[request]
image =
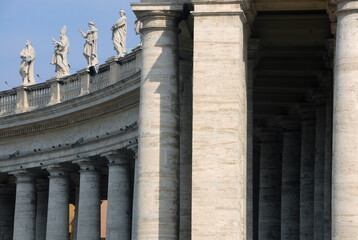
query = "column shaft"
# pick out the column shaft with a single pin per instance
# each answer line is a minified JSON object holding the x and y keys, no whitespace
{"x":58,"y":205}
{"x":290,"y":199}
{"x":88,"y":227}
{"x":345,"y":124}
{"x":270,"y":186}
{"x":219,"y":123}
{"x":156,"y":198}
{"x":319,"y":172}
{"x":7,"y":206}
{"x":41,"y":210}
{"x":307,"y":177}
{"x":25,"y":207}
{"x":119,"y":200}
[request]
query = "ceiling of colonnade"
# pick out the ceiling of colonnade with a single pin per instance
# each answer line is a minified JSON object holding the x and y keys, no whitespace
{"x":293,"y":45}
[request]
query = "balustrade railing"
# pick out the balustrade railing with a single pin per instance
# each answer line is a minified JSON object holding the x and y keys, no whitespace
{"x":38,"y":95}
{"x":8,"y":102}
{"x":26,"y":98}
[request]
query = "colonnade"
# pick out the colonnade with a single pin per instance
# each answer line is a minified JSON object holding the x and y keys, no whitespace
{"x":42,"y":206}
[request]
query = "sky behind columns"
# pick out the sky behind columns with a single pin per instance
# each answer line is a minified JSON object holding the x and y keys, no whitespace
{"x":41,"y":20}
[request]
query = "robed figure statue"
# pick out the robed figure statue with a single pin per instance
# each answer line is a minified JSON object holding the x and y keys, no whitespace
{"x":60,"y":55}
{"x":119,"y":34}
{"x":90,"y":47}
{"x":27,"y":65}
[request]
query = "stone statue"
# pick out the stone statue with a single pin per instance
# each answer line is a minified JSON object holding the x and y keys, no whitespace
{"x":60,"y":55}
{"x":27,"y":65}
{"x":119,"y":34}
{"x":137,"y":26}
{"x":90,"y":47}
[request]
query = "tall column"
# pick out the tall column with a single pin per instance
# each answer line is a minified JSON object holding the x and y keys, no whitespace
{"x":270,"y":184}
{"x":41,"y":209}
{"x":256,"y":188}
{"x":186,"y":128}
{"x":219,"y":122}
{"x":319,"y":168}
{"x":290,"y":198}
{"x":119,"y":200}
{"x":88,"y":227}
{"x":308,"y":130}
{"x":156,"y":187}
{"x":58,"y":204}
{"x":345,"y":124}
{"x":25,"y":206}
{"x":76,"y":181}
{"x":7,"y":206}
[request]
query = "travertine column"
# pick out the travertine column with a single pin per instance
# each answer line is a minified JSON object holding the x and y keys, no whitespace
{"x":345,"y":124}
{"x":186,"y":127}
{"x":270,"y":184}
{"x":219,"y":122}
{"x":25,"y":206}
{"x":41,"y":209}
{"x":319,"y":168}
{"x":58,"y":204}
{"x":308,"y":130}
{"x":76,"y":180}
{"x":119,"y":210}
{"x":88,"y":227}
{"x":290,"y":198}
{"x":256,"y":187}
{"x":7,"y":206}
{"x":156,"y":187}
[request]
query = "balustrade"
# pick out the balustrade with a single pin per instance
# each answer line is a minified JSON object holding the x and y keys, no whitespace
{"x":22,"y":99}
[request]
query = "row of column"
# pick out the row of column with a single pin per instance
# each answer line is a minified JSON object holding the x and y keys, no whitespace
{"x":44,"y":214}
{"x":294,"y":169}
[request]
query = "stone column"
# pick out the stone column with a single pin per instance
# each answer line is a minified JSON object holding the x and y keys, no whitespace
{"x":75,"y":178}
{"x":186,"y":128}
{"x":345,"y":124}
{"x":41,"y":210}
{"x":119,"y":200}
{"x":319,"y":168}
{"x":7,"y":206}
{"x":219,"y":122}
{"x":308,"y":130}
{"x":256,"y":187}
{"x":25,"y":206}
{"x":290,"y":198}
{"x":270,"y":184}
{"x":156,"y":187}
{"x":88,"y":227}
{"x":58,"y":204}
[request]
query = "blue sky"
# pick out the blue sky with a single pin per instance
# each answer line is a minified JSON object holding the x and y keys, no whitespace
{"x":41,"y":20}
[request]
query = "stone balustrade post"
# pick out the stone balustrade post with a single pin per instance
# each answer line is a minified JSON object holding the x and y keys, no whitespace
{"x":114,"y":69}
{"x":290,"y":193}
{"x":42,"y":208}
{"x":85,"y":81}
{"x":55,"y":93}
{"x":88,"y":227}
{"x":270,"y":183}
{"x":58,"y":204}
{"x":21,"y":99}
{"x":119,"y":210}
{"x":156,"y":187}
{"x":25,"y":206}
{"x":345,"y":124}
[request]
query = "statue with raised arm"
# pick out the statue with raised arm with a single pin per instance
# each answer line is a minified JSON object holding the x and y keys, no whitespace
{"x":90,"y":47}
{"x":27,"y":65}
{"x":137,"y":26}
{"x":119,"y":34}
{"x":60,"y":55}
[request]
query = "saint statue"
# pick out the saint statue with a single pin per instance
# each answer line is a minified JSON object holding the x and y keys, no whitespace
{"x":90,"y":47}
{"x":60,"y":55}
{"x":27,"y":65}
{"x":119,"y":34}
{"x":137,"y":26}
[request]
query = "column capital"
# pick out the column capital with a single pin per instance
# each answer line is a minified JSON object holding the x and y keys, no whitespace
{"x":86,"y":165}
{"x":24,"y":176}
{"x":267,"y":135}
{"x":290,"y":123}
{"x":57,"y":171}
{"x":345,"y":5}
{"x":307,"y":111}
{"x":117,"y":158}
